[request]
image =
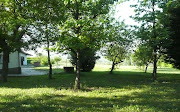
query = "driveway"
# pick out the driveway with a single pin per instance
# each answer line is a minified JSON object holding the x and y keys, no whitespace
{"x":29,"y":71}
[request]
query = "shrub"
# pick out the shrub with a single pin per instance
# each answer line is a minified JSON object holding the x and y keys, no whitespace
{"x":87,"y":59}
{"x":57,"y":59}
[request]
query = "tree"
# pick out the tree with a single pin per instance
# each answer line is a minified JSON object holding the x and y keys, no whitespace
{"x":116,"y":53}
{"x":14,"y":22}
{"x":118,"y":45}
{"x":173,"y":51}
{"x":57,"y":59}
{"x":88,"y":59}
{"x":143,"y":56}
{"x":47,"y":14}
{"x":85,"y":26}
{"x":150,"y":14}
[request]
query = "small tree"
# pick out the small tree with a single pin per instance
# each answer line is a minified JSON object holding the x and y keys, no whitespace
{"x":57,"y":59}
{"x":143,"y":56}
{"x":47,"y":14}
{"x":115,"y":53}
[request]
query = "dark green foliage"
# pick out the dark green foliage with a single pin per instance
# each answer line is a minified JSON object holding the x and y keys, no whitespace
{"x":173,"y":51}
{"x":87,"y":59}
{"x":14,"y":23}
{"x":86,"y":25}
{"x":152,"y":16}
{"x":143,"y":55}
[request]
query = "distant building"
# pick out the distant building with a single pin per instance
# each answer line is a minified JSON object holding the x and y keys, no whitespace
{"x":16,"y":60}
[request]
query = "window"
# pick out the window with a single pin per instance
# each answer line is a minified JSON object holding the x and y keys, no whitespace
{"x":1,"y":58}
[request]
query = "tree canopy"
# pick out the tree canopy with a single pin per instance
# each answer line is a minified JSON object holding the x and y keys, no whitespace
{"x":15,"y":20}
{"x":86,"y":26}
{"x":173,"y":51}
{"x":150,"y":15}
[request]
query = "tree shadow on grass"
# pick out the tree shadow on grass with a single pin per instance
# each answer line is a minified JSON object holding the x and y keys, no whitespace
{"x":150,"y":96}
{"x":137,"y":101}
{"x":119,"y":79}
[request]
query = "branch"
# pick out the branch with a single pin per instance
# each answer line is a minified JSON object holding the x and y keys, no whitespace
{"x":118,"y":62}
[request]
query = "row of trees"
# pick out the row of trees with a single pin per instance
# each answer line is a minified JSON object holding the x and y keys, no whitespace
{"x":71,"y":25}
{"x":157,"y":31}
{"x":80,"y":26}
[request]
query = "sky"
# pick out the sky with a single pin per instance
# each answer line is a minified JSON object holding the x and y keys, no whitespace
{"x":122,"y":12}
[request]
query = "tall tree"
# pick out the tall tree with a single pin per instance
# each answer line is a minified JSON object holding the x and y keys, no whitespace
{"x":47,"y":15}
{"x":85,"y":27}
{"x":173,"y":51}
{"x":13,"y":26}
{"x":149,"y":14}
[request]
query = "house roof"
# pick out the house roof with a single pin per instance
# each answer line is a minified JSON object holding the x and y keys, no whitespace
{"x":23,"y":52}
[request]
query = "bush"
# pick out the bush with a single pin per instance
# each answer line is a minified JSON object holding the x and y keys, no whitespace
{"x":42,"y":59}
{"x":87,"y":59}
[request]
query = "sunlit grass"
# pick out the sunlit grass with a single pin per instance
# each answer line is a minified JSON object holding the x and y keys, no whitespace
{"x":46,"y":68}
{"x":127,"y":90}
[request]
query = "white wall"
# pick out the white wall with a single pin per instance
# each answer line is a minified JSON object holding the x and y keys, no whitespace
{"x":13,"y":60}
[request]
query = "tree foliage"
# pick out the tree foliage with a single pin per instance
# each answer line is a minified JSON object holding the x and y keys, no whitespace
{"x":116,"y":53}
{"x":150,"y":14}
{"x":15,"y":19}
{"x":47,"y":15}
{"x":86,"y":26}
{"x":173,"y":51}
{"x":87,"y":59}
{"x":143,"y":55}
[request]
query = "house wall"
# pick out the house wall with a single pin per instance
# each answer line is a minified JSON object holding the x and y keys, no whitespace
{"x":14,"y":65}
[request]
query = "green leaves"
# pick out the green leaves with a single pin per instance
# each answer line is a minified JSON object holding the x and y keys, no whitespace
{"x":143,"y":55}
{"x":151,"y":18}
{"x":13,"y":23}
{"x":115,"y":52}
{"x":85,"y":24}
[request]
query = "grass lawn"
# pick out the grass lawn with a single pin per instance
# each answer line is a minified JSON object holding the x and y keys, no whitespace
{"x":45,"y":68}
{"x":127,"y":90}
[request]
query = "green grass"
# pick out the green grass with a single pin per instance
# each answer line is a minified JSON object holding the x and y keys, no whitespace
{"x":127,"y":90}
{"x":45,"y":68}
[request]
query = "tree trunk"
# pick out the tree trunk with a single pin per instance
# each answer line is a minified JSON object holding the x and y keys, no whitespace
{"x":5,"y":65}
{"x":50,"y":65}
{"x":77,"y":80}
{"x":155,"y":46}
{"x":112,"y":68}
{"x":49,"y":59}
{"x":146,"y":68}
{"x":154,"y":66}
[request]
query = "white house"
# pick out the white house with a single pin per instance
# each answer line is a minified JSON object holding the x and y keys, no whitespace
{"x":16,"y":60}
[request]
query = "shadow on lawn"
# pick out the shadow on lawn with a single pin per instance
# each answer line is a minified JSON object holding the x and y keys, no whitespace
{"x":162,"y":96}
{"x":141,"y":101}
{"x":92,"y":79}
